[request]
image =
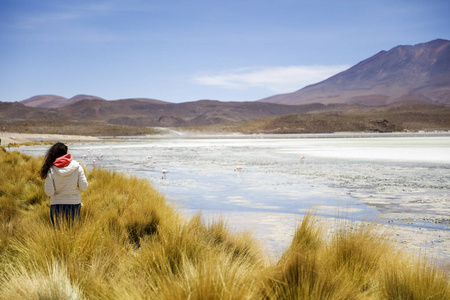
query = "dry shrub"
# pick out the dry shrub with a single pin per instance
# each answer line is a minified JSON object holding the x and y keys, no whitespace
{"x":50,"y":283}
{"x":303,"y":272}
{"x":126,"y":206}
{"x":413,"y":278}
{"x":190,"y":262}
{"x":357,"y":261}
{"x":358,"y":251}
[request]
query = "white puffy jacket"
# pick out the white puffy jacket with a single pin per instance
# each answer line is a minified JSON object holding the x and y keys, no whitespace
{"x":62,"y":184}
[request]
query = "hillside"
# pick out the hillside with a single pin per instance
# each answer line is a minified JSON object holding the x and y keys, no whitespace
{"x":139,"y":113}
{"x":45,"y":101}
{"x":419,"y":73}
{"x":54,"y":101}
{"x":352,"y":118}
{"x":125,"y":117}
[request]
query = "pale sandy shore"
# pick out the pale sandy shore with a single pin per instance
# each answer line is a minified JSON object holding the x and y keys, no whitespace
{"x":12,"y":137}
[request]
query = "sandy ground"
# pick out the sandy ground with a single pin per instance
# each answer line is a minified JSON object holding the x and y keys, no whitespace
{"x":11,"y":137}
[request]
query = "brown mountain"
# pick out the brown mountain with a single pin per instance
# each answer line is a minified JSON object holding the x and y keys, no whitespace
{"x":54,"y":101}
{"x":80,"y":97}
{"x":148,"y":113}
{"x":419,"y":73}
{"x":131,"y":117}
{"x":197,"y":113}
{"x":147,"y":100}
{"x":45,"y":101}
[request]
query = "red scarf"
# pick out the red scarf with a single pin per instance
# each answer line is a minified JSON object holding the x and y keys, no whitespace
{"x":63,"y":161}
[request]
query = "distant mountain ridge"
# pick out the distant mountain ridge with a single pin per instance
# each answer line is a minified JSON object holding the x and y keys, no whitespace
{"x":54,"y":101}
{"x":419,"y":73}
{"x":111,"y":118}
{"x":144,"y":112}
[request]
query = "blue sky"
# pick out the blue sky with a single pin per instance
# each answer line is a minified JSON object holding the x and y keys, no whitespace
{"x":179,"y":51}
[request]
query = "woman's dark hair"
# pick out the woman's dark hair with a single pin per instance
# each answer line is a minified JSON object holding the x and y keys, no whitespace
{"x":55,"y":151}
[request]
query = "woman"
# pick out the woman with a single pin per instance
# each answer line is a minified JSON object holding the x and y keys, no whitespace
{"x":63,"y":179}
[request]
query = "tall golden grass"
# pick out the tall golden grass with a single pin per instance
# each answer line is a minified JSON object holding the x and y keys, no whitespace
{"x":131,"y":244}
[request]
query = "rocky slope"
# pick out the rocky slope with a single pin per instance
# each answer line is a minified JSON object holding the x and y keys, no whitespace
{"x":419,"y":73}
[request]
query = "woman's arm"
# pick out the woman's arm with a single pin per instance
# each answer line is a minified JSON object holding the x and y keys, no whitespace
{"x":82,"y":181}
{"x":49,"y":185}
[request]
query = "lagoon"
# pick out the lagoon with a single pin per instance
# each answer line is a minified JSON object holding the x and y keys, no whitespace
{"x":266,"y":183}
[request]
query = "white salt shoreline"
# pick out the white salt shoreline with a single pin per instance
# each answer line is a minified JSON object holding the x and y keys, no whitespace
{"x":14,"y":137}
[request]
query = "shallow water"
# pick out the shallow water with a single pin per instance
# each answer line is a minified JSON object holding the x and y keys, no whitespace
{"x":266,"y":185}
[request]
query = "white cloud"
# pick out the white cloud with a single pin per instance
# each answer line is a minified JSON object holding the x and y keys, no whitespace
{"x":274,"y":79}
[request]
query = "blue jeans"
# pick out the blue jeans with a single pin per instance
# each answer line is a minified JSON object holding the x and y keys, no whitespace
{"x":67,"y":213}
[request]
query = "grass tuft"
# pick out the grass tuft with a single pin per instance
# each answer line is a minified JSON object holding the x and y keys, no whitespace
{"x":52,"y":283}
